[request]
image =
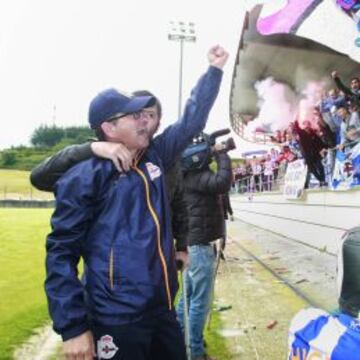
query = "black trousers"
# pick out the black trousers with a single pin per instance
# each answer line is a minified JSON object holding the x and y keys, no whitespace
{"x":158,"y":338}
{"x":315,"y":167}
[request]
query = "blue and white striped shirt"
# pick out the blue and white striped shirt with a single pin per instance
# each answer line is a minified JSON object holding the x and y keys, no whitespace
{"x":317,"y":335}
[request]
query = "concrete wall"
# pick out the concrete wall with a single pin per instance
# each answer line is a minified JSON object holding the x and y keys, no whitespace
{"x":318,"y":219}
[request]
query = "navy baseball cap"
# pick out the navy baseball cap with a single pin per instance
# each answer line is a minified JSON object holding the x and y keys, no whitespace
{"x":111,"y":102}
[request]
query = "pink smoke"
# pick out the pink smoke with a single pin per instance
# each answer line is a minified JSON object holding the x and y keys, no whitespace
{"x":311,"y":98}
{"x":279,"y":105}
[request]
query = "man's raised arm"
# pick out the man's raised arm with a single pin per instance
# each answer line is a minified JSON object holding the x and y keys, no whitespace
{"x":339,"y":84}
{"x":177,"y":136}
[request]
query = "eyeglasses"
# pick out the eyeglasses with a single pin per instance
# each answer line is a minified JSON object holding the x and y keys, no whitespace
{"x":136,"y":115}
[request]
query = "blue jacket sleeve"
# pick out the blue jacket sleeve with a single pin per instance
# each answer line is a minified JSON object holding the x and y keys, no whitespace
{"x":70,"y":222}
{"x":340,"y":101}
{"x":176,"y":137}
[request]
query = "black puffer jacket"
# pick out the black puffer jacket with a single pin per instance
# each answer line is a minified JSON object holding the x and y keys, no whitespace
{"x":45,"y":175}
{"x":203,"y":189}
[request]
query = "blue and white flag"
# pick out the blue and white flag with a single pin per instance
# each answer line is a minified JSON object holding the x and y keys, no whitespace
{"x":346,"y":172}
{"x":316,"y":334}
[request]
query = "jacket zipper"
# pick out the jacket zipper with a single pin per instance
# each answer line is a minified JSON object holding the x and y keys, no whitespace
{"x":111,"y":268}
{"x":111,"y":256}
{"x":157,"y":224}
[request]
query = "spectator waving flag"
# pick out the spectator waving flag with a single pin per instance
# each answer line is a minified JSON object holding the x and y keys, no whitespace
{"x":315,"y":334}
{"x":347,"y":169}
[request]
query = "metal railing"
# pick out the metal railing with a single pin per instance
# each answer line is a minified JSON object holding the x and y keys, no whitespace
{"x":260,"y":183}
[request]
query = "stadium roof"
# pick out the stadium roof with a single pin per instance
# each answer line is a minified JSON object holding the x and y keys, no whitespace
{"x":282,"y":56}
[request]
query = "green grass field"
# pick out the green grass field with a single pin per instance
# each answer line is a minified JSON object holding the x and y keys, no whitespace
{"x":215,"y":344}
{"x":15,"y":184}
{"x":23,"y":304}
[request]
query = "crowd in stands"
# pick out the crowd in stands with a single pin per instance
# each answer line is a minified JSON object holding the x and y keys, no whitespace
{"x":258,"y":173}
{"x":334,"y":124}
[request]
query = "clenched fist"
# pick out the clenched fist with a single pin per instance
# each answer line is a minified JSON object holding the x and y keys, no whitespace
{"x":80,"y":347}
{"x":217,"y":56}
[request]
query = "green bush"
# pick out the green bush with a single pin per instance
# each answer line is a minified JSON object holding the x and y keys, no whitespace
{"x":8,"y":157}
{"x":23,"y":159}
{"x":47,"y":141}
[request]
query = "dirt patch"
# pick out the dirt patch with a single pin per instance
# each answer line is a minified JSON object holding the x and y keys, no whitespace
{"x":257,"y":299}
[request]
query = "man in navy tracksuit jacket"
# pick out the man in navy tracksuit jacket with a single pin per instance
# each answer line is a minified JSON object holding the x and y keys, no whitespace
{"x":120,"y":225}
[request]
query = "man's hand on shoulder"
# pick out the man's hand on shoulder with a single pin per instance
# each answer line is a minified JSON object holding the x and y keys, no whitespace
{"x":116,"y":152}
{"x":80,"y":347}
{"x":217,"y":56}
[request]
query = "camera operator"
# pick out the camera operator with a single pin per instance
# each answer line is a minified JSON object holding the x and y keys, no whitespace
{"x":203,"y":188}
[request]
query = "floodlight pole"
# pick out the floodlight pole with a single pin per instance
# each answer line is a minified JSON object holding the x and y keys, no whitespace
{"x":180,"y":76}
{"x":181,"y":31}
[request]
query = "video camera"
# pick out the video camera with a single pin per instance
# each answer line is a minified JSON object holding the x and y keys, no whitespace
{"x":198,"y":154}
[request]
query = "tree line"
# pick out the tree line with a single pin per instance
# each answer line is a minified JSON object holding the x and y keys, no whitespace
{"x":45,"y":141}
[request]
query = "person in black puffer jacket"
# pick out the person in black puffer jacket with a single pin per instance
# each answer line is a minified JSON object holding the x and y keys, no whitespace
{"x":203,"y":190}
{"x":202,"y":196}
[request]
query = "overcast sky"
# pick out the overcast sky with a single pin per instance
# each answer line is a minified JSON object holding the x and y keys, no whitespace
{"x":61,"y":53}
